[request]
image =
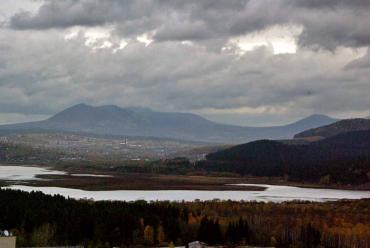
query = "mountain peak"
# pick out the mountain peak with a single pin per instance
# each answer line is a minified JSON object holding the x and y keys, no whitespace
{"x":313,"y":121}
{"x":79,"y":106}
{"x":84,"y":107}
{"x":315,"y":117}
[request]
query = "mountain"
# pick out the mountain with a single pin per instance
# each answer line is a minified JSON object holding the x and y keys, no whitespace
{"x":113,"y":120}
{"x":335,"y":128}
{"x":345,"y":158}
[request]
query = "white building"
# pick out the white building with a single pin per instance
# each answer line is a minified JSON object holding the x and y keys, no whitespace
{"x":197,"y":244}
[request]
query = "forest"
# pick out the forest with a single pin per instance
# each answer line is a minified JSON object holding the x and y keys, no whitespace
{"x":42,"y":220}
{"x":341,"y":159}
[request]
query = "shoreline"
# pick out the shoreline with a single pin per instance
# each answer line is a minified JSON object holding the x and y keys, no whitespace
{"x":108,"y":180}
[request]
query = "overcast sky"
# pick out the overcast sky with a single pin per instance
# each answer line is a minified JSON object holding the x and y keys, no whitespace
{"x":256,"y":62}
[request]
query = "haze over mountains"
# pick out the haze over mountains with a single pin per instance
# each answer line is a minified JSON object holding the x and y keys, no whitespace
{"x":113,"y":120}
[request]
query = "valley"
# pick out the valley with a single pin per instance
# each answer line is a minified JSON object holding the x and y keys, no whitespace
{"x":184,"y":124}
{"x":218,"y":187}
{"x":140,"y":163}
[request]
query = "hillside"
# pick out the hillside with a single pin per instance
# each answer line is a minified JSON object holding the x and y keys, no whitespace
{"x":335,"y":128}
{"x":344,"y":158}
{"x":113,"y":120}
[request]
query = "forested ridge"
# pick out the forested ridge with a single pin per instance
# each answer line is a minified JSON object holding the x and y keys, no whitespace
{"x":343,"y":159}
{"x":343,"y":126}
{"x":42,"y":220}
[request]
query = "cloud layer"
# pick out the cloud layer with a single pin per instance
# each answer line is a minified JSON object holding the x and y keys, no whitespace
{"x":194,"y":58}
{"x":327,"y":23}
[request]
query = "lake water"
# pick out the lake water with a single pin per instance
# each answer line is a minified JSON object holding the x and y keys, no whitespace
{"x":16,"y":173}
{"x":272,"y":193}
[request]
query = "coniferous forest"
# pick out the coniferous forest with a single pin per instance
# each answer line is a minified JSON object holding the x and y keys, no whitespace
{"x":341,"y":159}
{"x":41,"y":220}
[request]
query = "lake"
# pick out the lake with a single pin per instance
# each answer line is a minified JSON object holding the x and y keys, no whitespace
{"x":273,"y":193}
{"x":16,"y":173}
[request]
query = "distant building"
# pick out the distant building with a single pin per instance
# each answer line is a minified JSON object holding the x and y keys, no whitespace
{"x":197,"y":244}
{"x":7,"y":242}
{"x":125,"y":142}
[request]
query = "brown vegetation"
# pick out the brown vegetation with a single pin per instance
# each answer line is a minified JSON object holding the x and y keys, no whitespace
{"x":138,"y":181}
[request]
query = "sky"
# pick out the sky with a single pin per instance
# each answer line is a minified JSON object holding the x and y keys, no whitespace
{"x":243,"y":62}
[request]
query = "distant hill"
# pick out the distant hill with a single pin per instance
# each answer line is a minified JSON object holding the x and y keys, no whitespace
{"x":335,"y":128}
{"x":350,"y":144}
{"x":345,"y":158}
{"x":113,"y":120}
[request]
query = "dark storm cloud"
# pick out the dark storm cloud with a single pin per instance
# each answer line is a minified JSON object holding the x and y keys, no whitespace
{"x":326,"y":23}
{"x":342,"y":27}
{"x":330,"y":3}
{"x":128,"y":15}
{"x":42,"y":72}
{"x":332,"y":23}
{"x":66,"y":13}
{"x":171,"y":76}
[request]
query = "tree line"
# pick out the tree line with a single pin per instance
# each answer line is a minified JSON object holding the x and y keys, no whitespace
{"x":42,"y":220}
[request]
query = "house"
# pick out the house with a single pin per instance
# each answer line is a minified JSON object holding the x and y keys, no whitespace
{"x":197,"y":244}
{"x":7,"y":242}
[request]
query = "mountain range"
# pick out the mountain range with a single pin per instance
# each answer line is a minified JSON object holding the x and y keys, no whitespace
{"x":144,"y":122}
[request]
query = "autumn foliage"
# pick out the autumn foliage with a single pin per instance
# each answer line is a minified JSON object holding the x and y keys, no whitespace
{"x":41,"y":220}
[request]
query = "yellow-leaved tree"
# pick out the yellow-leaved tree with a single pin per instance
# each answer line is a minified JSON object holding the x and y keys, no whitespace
{"x":148,"y":235}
